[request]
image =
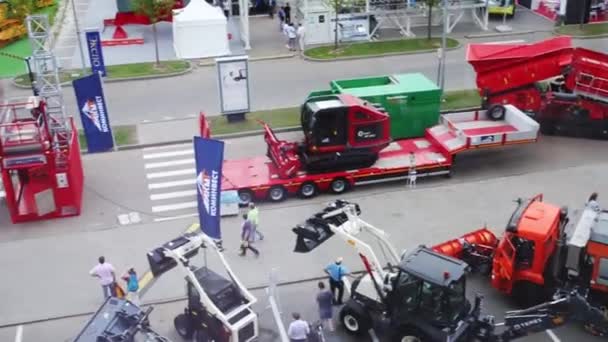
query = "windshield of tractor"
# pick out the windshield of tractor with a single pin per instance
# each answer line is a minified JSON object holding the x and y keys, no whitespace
{"x":438,"y":304}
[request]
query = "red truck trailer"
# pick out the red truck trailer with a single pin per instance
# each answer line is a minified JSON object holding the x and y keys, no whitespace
{"x":576,"y":100}
{"x":359,"y":150}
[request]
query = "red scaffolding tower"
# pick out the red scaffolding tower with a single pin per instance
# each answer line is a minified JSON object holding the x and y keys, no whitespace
{"x":42,"y":173}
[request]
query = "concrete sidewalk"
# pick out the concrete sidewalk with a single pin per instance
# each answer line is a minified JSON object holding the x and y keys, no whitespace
{"x":55,"y":282}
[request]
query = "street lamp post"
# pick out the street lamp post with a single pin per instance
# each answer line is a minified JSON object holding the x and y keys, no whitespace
{"x":84,"y":65}
{"x":443,"y":46}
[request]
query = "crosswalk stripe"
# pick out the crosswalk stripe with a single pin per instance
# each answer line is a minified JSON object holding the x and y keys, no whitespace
{"x":2,"y":194}
{"x":176,"y":206}
{"x":167,"y":147}
{"x":168,"y":154}
{"x":176,"y":194}
{"x":169,"y":163}
{"x":171,"y":184}
{"x":170,"y":218}
{"x":181,"y":172}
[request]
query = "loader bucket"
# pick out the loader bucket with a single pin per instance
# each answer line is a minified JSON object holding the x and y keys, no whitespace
{"x":455,"y":247}
{"x":311,"y":234}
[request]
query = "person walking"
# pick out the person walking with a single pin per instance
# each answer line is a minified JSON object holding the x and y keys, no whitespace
{"x":592,"y":202}
{"x":324,"y":300}
{"x":130,"y":277}
{"x":247,"y":237}
{"x":281,"y":15}
{"x":287,"y":11}
{"x":301,"y":32}
{"x":290,"y":30}
{"x":106,"y":274}
{"x":298,"y":329}
{"x":225,"y":8}
{"x":336,"y":272}
{"x":254,"y":216}
{"x":272,"y":6}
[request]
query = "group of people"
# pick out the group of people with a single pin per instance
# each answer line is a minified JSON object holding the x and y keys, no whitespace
{"x":299,"y":329}
{"x":287,"y":27}
{"x":106,"y":274}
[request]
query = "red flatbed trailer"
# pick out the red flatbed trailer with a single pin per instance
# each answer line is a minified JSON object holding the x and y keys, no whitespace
{"x":259,"y":177}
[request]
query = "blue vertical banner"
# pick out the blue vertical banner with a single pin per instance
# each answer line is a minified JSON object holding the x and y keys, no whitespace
{"x":209,"y":155}
{"x":95,"y":54}
{"x":93,"y":113}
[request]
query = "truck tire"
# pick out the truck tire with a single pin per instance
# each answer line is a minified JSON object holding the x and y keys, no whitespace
{"x":245,"y":196}
{"x":308,"y":190}
{"x":277,"y":193}
{"x":183,"y":326}
{"x":354,"y":319}
{"x":409,"y":334}
{"x":339,"y":185}
{"x":496,"y":112}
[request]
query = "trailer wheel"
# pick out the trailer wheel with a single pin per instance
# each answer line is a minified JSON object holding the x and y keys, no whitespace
{"x":245,"y":196}
{"x":200,"y":335}
{"x":308,"y":190}
{"x":339,"y":185}
{"x":183,"y":326}
{"x":496,"y":112}
{"x":356,"y":322}
{"x":277,"y":193}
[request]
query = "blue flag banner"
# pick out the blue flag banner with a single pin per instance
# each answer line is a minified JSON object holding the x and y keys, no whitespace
{"x":209,"y":156}
{"x":95,"y":54}
{"x":93,"y":113}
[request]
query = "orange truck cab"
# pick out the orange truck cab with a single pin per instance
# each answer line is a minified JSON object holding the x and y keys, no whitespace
{"x":521,"y":259}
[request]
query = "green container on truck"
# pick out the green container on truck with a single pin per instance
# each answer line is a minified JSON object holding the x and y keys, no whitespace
{"x":411,"y":100}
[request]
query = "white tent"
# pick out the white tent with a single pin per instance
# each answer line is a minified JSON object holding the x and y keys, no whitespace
{"x":200,"y":30}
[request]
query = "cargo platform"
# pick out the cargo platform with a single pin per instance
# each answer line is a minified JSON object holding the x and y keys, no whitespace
{"x":430,"y":155}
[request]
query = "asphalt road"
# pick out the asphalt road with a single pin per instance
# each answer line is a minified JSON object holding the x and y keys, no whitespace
{"x":480,"y":192}
{"x":292,"y":298}
{"x":274,"y":83}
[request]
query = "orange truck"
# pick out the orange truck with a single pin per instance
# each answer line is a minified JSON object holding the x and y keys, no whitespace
{"x":544,"y":247}
{"x":13,"y":29}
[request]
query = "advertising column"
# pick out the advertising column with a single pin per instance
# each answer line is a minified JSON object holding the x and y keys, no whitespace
{"x":233,"y":80}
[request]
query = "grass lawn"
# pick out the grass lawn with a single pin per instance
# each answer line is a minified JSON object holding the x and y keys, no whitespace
{"x":119,"y":71}
{"x":9,"y":66}
{"x":587,"y":30}
{"x":123,"y":135}
{"x":378,"y":48}
{"x":290,"y":117}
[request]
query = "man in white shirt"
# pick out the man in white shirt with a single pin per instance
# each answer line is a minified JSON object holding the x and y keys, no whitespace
{"x":106,"y":274}
{"x":301,"y":32}
{"x":593,"y":203}
{"x":298,"y":329}
{"x":291,"y":33}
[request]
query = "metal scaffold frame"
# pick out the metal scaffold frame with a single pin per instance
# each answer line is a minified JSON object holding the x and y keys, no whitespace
{"x":47,"y":82}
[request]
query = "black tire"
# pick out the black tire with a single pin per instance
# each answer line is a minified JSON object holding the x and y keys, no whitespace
{"x":547,"y":127}
{"x":354,"y":320}
{"x":339,"y":185}
{"x":200,"y":336}
{"x":496,"y":112}
{"x":245,"y":196}
{"x":409,"y":334}
{"x":308,"y":190}
{"x":183,"y":326}
{"x":277,"y":193}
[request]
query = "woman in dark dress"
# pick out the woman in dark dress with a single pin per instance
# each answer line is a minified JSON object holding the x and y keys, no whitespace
{"x":324,"y":300}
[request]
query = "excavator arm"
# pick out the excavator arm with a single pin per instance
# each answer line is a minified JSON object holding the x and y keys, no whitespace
{"x":566,"y":306}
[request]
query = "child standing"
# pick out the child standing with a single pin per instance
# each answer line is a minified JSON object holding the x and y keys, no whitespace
{"x":132,"y":286}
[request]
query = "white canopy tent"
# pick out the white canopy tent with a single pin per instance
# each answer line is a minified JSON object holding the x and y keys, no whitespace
{"x":199,"y":31}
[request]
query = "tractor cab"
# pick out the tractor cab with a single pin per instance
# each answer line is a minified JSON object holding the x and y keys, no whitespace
{"x":429,"y":287}
{"x":342,"y":132}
